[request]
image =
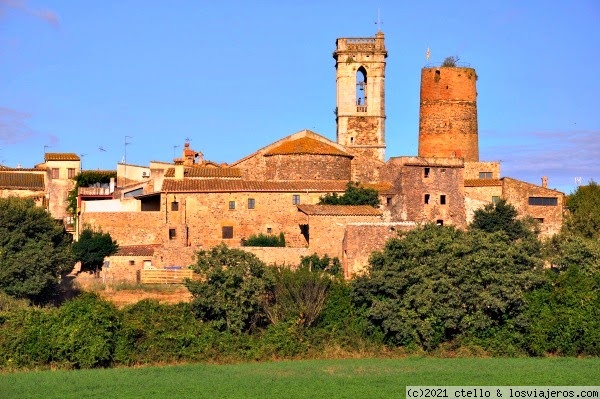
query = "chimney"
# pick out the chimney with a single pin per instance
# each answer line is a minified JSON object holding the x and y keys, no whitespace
{"x":544,"y":181}
{"x":111,"y":185}
{"x":179,"y":170}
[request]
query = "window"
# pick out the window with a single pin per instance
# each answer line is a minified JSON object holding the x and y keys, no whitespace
{"x":55,"y":172}
{"x":251,"y":203}
{"x":439,"y":222}
{"x":539,"y":220}
{"x":227,"y":232}
{"x":132,"y":263}
{"x":485,"y":175}
{"x":426,"y":172}
{"x":427,"y":198}
{"x":174,"y":206}
{"x":388,"y":201}
{"x":442,"y":200}
{"x":495,"y":199}
{"x":543,"y":201}
{"x":269,"y":230}
{"x":231,"y":204}
{"x":296,"y":199}
{"x":172,"y":234}
{"x":71,"y":172}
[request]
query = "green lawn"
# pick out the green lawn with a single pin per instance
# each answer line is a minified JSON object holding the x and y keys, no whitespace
{"x":364,"y":378}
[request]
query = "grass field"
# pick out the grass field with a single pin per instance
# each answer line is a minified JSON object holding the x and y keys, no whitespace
{"x":364,"y":378}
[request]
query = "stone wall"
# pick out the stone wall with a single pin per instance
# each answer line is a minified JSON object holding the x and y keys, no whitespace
{"x":307,"y":167}
{"x":128,"y":228}
{"x":472,"y":169}
{"x":448,"y":113}
{"x":517,"y":193}
{"x":361,"y":239}
{"x":279,"y":256}
{"x":478,"y":197}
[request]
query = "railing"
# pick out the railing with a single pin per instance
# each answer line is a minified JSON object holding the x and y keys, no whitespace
{"x":361,"y":108}
{"x":164,"y":276}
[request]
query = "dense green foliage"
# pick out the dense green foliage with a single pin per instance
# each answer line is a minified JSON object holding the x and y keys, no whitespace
{"x":326,"y":264}
{"x":87,"y":179}
{"x":503,"y":217}
{"x":34,"y":250}
{"x":315,"y":379}
{"x":437,"y":283}
{"x":355,"y":194}
{"x":91,"y":249}
{"x":265,"y":240}
{"x":451,"y":61}
{"x":231,"y":290}
{"x":584,"y":211}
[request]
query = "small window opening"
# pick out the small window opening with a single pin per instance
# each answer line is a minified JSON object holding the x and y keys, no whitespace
{"x":296,"y":199}
{"x":361,"y":86}
{"x":485,"y":175}
{"x":439,"y":222}
{"x":442,"y":200}
{"x":172,"y":234}
{"x":495,"y":199}
{"x":132,"y":263}
{"x":231,"y":204}
{"x":71,"y":172}
{"x":174,"y":206}
{"x":351,"y":140}
{"x":227,"y":232}
{"x":388,"y":200}
{"x":427,"y":196}
{"x":55,"y":173}
{"x":539,"y":220}
{"x":443,"y":170}
{"x":251,"y":203}
{"x":269,"y":230}
{"x":426,"y":172}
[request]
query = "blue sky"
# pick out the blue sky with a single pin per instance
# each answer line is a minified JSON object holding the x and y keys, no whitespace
{"x":234,"y":76}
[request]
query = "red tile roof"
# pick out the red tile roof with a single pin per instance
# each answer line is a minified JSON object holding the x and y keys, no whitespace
{"x":339,"y":210}
{"x":306,"y":145}
{"x":136,"y":250}
{"x":210,"y":172}
{"x":222,"y":185}
{"x":22,"y":181}
{"x":382,"y":187}
{"x":61,"y":156}
{"x":482,"y":182}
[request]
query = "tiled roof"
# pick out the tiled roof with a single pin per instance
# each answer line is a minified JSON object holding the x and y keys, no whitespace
{"x":21,"y":181}
{"x":339,"y":210}
{"x":306,"y":145}
{"x":61,"y":156}
{"x":222,"y":185}
{"x":482,"y":182}
{"x":136,"y":250}
{"x":210,"y":172}
{"x":382,"y":187}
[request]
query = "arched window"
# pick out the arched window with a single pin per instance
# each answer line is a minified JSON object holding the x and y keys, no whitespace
{"x":361,"y":87}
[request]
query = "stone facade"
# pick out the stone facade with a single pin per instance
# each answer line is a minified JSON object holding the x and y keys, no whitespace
{"x":360,"y":77}
{"x":448,"y":113}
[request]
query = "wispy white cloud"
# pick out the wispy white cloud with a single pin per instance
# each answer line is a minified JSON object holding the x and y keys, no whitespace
{"x":560,"y":155}
{"x":13,"y":126}
{"x":48,"y":16}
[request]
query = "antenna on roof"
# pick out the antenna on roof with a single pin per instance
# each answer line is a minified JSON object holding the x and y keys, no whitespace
{"x":578,"y":181}
{"x":46,"y":147}
{"x":427,"y":54}
{"x":101,"y":149}
{"x":379,"y":21}
{"x":174,"y":148}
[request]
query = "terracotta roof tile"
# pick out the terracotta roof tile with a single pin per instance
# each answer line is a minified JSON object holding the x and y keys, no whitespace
{"x":306,"y":145}
{"x":339,"y":210}
{"x":482,"y":182}
{"x":136,"y":250}
{"x":210,"y":172}
{"x":61,"y":156}
{"x":382,"y":187}
{"x":223,"y":185}
{"x":21,"y":181}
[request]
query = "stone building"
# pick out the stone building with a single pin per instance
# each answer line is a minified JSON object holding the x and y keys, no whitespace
{"x":161,"y":214}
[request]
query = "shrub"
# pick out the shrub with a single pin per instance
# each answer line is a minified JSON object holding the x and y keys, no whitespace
{"x":265,"y":240}
{"x":231,"y":291}
{"x":451,"y":61}
{"x":355,"y":194}
{"x":326,"y":264}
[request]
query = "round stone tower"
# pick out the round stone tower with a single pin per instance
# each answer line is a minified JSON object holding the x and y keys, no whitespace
{"x":448,"y":113}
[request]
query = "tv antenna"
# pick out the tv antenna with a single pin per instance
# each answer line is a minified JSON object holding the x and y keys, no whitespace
{"x":379,"y":22}
{"x":174,"y":148}
{"x":578,"y":181}
{"x":101,"y":149}
{"x":81,"y":163}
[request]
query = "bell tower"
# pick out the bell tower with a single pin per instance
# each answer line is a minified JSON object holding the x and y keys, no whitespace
{"x":360,"y":84}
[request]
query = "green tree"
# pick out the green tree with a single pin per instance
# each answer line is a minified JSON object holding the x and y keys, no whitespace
{"x":435,"y":283}
{"x":584,"y":211}
{"x":231,"y":290}
{"x":34,"y":250}
{"x":265,"y":240}
{"x":502,"y":217}
{"x":326,"y":264}
{"x":355,"y":194}
{"x":91,"y":249}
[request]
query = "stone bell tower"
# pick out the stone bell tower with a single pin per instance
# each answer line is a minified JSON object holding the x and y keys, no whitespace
{"x":360,"y":78}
